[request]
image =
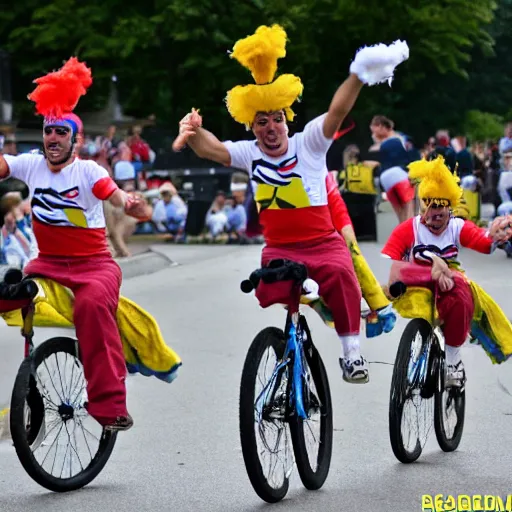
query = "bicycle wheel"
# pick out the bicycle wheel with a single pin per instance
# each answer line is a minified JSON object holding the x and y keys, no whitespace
{"x":48,"y":414}
{"x":264,"y":433}
{"x":412,"y":359}
{"x":313,"y":467}
{"x":447,"y":402}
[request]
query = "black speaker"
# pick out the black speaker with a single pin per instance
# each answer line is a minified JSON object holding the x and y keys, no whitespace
{"x":196,"y":216}
{"x":362,"y":211}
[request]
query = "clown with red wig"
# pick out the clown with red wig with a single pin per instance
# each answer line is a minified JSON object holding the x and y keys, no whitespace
{"x":67,"y":197}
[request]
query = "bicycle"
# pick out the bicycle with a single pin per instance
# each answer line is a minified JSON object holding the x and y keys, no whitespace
{"x":36,"y":410}
{"x":296,"y":390}
{"x":419,"y":375}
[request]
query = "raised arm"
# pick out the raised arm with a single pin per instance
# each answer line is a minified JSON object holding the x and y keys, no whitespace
{"x":206,"y":145}
{"x":342,"y":103}
{"x":203,"y":143}
{"x":371,"y":65}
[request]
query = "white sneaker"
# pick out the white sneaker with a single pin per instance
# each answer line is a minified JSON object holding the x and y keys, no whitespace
{"x":355,"y":371}
{"x":455,"y":376}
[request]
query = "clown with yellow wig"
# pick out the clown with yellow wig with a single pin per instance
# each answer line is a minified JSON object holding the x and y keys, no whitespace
{"x":289,"y":174}
{"x":430,"y":243}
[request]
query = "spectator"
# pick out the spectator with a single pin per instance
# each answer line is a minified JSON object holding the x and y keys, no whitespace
{"x":505,"y":185}
{"x":170,"y":212}
{"x":141,"y":151}
{"x":216,"y":217}
{"x":236,"y":215}
{"x":17,"y":239}
{"x":10,"y":146}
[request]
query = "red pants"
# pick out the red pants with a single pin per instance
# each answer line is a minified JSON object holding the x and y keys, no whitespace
{"x":455,"y":307}
{"x":329,"y":264}
{"x":95,"y":282}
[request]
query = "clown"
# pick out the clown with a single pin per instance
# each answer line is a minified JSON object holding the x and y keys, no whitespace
{"x":289,"y":174}
{"x":430,"y":243}
{"x":69,"y":226}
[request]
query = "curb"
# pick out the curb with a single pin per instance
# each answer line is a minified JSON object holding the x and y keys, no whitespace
{"x":145,"y":263}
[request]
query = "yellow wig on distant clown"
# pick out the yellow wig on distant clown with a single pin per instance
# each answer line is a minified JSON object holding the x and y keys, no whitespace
{"x":259,"y":53}
{"x":437,"y":184}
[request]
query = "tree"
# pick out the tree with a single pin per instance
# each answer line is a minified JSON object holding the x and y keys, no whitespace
{"x":170,"y":55}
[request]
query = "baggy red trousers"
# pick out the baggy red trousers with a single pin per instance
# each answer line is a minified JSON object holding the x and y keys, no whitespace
{"x":95,"y":282}
{"x":455,"y":307}
{"x":329,"y":263}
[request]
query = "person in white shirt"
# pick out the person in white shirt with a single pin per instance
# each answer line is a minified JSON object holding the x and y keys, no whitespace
{"x":69,"y":225}
{"x":290,"y":174}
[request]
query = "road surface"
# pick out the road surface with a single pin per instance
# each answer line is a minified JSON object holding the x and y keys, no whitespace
{"x":184,"y":452}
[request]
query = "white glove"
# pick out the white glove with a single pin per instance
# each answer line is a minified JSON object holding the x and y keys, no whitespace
{"x":376,"y":64}
{"x":311,"y":288}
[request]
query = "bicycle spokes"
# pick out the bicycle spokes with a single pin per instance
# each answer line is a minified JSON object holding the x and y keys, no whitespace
{"x":67,"y":438}
{"x":272,"y":433}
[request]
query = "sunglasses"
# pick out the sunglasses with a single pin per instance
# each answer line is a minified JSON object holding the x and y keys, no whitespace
{"x":59,"y":130}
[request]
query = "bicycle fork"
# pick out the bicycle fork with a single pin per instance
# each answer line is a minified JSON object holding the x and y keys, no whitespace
{"x":297,"y":389}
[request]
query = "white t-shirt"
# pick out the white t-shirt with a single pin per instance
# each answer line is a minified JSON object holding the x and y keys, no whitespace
{"x":68,"y":217}
{"x":290,"y":191}
{"x":64,"y":198}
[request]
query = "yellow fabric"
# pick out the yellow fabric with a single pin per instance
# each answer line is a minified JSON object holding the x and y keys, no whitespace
{"x":435,"y":181}
{"x":289,"y":195}
{"x":497,"y":321}
{"x":370,"y":287}
{"x":139,"y":331}
{"x":259,"y":53}
{"x":358,"y":179}
{"x":417,"y":303}
{"x":472,"y":201}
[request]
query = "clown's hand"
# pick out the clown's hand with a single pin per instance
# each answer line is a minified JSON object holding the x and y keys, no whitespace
{"x":501,"y":229}
{"x":188,"y":127}
{"x":311,"y":289}
{"x":376,"y":64}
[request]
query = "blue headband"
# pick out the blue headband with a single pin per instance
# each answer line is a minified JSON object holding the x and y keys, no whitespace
{"x":62,"y":122}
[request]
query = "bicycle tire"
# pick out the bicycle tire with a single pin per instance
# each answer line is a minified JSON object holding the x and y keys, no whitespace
{"x":396,"y":403}
{"x":314,"y":479}
{"x":445,"y":443}
{"x":268,"y":337}
{"x":24,"y":386}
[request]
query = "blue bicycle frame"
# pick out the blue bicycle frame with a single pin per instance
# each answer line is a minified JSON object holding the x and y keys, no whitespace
{"x":294,"y":345}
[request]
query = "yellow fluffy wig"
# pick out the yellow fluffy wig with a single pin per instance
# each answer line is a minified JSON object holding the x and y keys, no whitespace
{"x":259,"y":54}
{"x":437,"y":185}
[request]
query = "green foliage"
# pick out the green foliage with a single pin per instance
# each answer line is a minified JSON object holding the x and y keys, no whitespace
{"x":482,"y":126}
{"x":171,"y":55}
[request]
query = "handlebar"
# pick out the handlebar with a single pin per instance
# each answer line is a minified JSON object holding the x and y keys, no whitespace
{"x":15,"y":287}
{"x":277,"y":270}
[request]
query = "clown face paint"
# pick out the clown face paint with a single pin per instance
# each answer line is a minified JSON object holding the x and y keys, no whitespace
{"x":58,"y":146}
{"x":436,"y":218}
{"x":271,"y":131}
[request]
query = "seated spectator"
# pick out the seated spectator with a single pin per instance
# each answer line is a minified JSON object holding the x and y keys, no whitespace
{"x":18,"y":242}
{"x":236,"y":215}
{"x":170,"y":212}
{"x":216,"y":217}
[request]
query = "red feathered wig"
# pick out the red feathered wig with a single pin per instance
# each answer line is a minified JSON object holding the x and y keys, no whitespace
{"x":57,"y":94}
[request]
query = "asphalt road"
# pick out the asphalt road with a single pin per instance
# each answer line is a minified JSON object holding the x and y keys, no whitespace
{"x":183,"y":453}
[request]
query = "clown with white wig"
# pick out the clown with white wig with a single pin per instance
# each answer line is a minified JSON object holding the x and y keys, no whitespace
{"x":289,"y":174}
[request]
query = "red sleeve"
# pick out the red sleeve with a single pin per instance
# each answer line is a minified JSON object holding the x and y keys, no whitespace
{"x":104,"y":188}
{"x":337,"y":207}
{"x":400,"y":241}
{"x":473,"y":237}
